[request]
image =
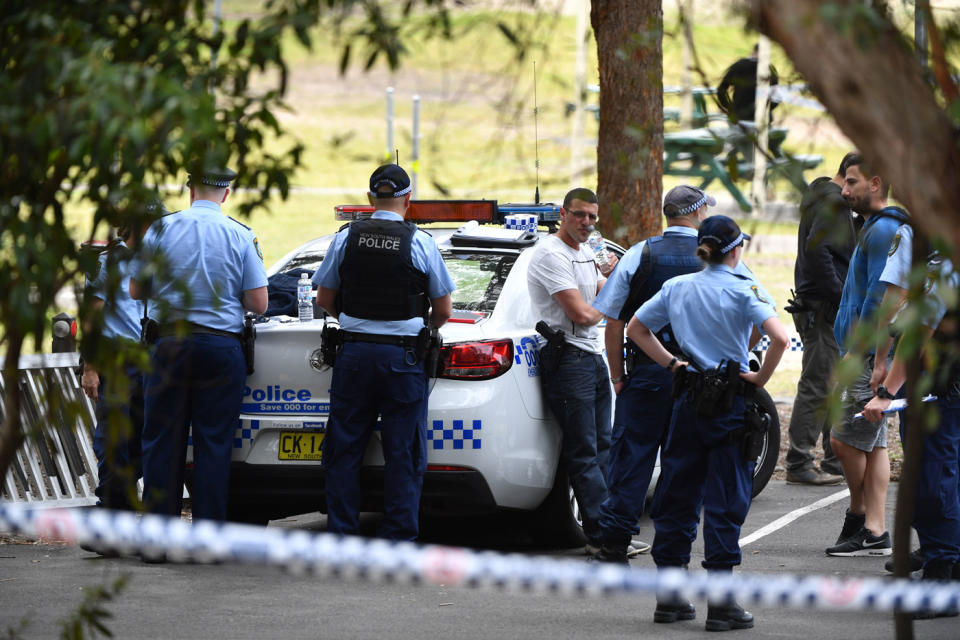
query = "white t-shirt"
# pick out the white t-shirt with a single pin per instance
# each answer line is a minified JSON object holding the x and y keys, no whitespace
{"x":555,"y":266}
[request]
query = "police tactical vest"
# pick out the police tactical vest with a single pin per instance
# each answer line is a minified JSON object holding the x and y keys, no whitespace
{"x":378,"y":280}
{"x":663,"y":257}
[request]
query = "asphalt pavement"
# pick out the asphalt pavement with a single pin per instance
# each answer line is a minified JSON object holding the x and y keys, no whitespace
{"x":42,"y":584}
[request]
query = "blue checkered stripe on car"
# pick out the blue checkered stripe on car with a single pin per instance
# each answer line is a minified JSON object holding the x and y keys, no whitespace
{"x":245,"y":435}
{"x":457,"y":436}
{"x":795,"y":344}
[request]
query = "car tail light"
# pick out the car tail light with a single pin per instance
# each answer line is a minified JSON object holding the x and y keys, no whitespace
{"x":477,"y":360}
{"x":447,"y":467}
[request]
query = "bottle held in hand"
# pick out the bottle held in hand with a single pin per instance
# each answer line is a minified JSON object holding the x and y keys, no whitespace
{"x":600,"y":254}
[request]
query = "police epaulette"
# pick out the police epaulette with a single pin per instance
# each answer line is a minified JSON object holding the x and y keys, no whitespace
{"x":345,"y":225}
{"x":241,"y":224}
{"x":742,"y":276}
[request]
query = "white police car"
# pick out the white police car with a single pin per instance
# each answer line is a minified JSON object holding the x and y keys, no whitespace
{"x":492,"y":441}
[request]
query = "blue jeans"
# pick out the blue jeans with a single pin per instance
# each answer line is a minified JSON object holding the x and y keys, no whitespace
{"x":698,"y":467}
{"x":116,"y":440}
{"x":198,"y":382}
{"x":640,"y":425}
{"x":371,"y":380}
{"x":578,"y":393}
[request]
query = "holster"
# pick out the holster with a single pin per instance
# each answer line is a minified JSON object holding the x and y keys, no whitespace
{"x":429,"y":346}
{"x":712,"y":392}
{"x":756,"y":421}
{"x":149,"y":331}
{"x":551,"y":353}
{"x":331,"y":340}
{"x":248,"y":339}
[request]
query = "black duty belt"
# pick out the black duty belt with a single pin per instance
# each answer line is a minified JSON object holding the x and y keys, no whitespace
{"x":192,"y":328}
{"x":694,"y":380}
{"x":409,"y":342}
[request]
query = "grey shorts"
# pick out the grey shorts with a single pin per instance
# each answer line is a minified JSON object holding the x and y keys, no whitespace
{"x":860,"y":432}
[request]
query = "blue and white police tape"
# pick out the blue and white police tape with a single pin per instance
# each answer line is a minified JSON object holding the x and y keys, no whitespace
{"x":764,"y":344}
{"x":343,"y":556}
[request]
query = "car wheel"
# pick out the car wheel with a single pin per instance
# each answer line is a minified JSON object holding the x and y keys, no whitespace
{"x":557,"y":521}
{"x":767,"y":460}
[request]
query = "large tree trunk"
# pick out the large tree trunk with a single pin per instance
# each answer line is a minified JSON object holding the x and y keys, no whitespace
{"x":869,"y":80}
{"x":630,"y":146}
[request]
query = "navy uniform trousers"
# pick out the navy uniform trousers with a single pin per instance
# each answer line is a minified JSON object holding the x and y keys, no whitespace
{"x":195,"y":381}
{"x":116,"y":440}
{"x":698,"y":467}
{"x":370,"y":380}
{"x":937,"y":507}
{"x":640,"y":425}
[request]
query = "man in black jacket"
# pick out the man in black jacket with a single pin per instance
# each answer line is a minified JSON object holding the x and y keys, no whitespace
{"x":825,"y":241}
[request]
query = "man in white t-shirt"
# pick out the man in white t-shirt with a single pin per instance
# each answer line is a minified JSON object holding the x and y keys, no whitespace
{"x":563,"y":280}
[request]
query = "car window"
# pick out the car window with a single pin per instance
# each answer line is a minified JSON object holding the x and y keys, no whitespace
{"x":309,"y":261}
{"x":479,"y":278}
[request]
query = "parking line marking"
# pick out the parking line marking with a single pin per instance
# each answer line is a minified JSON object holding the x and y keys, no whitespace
{"x":783,"y":521}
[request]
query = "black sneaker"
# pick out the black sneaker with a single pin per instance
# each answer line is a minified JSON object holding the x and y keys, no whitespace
{"x":614,"y":554}
{"x":728,"y":617}
{"x":666,"y":613}
{"x":852,"y":523}
{"x":916,"y":561}
{"x":863,"y":543}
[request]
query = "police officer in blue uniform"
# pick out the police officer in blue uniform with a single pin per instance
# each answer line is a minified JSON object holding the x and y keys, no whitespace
{"x":708,"y":458}
{"x":199,"y":270}
{"x":117,"y":391}
{"x":937,"y":504}
{"x":644,"y":400}
{"x":385,"y":280}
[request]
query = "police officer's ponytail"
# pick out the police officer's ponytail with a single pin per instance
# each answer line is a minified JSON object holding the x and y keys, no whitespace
{"x":709,"y":252}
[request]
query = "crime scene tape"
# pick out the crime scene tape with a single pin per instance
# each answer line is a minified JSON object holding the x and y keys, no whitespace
{"x":405,"y":562}
{"x":764,"y":343}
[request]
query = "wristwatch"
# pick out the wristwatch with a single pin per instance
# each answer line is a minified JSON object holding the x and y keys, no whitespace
{"x":883,"y":393}
{"x":618,"y":379}
{"x":673,"y":362}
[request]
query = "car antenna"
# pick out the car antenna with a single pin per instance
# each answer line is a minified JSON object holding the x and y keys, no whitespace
{"x":536,"y":136}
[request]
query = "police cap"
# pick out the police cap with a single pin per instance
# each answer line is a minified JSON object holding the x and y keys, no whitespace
{"x":218,"y":177}
{"x":685,"y":199}
{"x":389,"y":181}
{"x":722,"y":231}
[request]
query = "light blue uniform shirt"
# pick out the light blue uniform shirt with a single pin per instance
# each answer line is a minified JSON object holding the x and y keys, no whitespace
{"x":712,"y":313}
{"x":942,"y":277}
{"x":614,"y":294}
{"x":121,"y":313}
{"x":426,"y":257}
{"x":209,"y":255}
{"x":897,"y":269}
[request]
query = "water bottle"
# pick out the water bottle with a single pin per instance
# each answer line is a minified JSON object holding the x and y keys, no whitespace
{"x":600,"y":255}
{"x":305,"y":298}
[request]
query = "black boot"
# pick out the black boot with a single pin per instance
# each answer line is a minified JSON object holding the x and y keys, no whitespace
{"x":727,"y":617}
{"x":852,"y":523}
{"x":674,"y":610}
{"x":937,"y":571}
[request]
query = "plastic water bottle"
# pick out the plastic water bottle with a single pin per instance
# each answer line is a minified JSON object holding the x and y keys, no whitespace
{"x":600,"y":254}
{"x":305,"y":298}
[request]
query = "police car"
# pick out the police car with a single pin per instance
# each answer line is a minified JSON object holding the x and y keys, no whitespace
{"x":493,"y":443}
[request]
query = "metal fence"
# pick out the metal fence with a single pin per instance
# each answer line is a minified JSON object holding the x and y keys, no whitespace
{"x":56,"y":464}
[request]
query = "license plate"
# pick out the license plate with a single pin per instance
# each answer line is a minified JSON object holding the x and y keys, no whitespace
{"x":300,"y":445}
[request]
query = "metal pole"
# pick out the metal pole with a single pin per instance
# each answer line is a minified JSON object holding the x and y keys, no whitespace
{"x":579,"y":93}
{"x":389,"y":154}
{"x":415,"y":150}
{"x":762,"y":120}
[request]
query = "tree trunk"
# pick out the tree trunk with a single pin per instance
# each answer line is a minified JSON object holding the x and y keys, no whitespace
{"x":865,"y":74}
{"x":630,"y":145}
{"x":11,"y":433}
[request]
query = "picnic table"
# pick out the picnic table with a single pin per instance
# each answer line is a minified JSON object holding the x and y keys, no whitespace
{"x":726,"y":154}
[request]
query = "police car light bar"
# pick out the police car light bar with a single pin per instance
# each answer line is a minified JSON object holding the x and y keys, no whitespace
{"x":486,"y":211}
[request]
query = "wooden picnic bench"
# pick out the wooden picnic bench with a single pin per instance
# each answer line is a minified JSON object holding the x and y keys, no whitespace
{"x":726,"y":154}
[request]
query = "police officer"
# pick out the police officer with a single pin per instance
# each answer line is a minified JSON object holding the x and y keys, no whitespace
{"x":198,"y":270}
{"x":937,"y":505}
{"x":707,"y":456}
{"x":644,"y":400}
{"x":109,"y":338}
{"x":385,"y":280}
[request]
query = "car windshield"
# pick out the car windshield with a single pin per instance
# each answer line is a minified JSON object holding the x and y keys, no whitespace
{"x":479,"y":279}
